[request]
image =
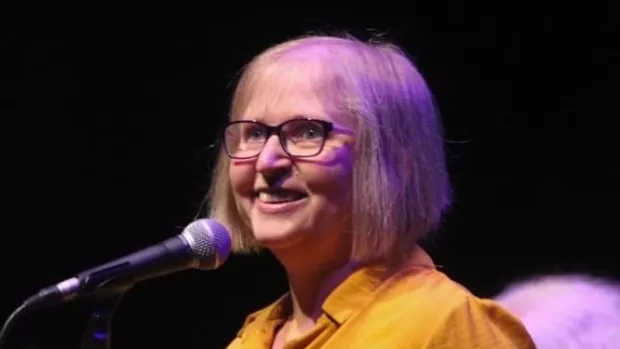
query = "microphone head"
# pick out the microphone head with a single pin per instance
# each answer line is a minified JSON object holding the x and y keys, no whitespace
{"x":210,"y":242}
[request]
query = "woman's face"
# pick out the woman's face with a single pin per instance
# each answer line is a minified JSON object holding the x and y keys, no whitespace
{"x":292,"y":201}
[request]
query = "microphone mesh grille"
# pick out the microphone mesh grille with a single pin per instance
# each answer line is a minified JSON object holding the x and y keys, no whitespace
{"x":210,"y":242}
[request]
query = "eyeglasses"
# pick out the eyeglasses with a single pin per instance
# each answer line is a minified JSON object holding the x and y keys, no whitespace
{"x":245,"y":139}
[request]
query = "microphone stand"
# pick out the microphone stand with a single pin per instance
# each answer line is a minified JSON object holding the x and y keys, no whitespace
{"x":97,"y":334}
{"x":98,"y":331}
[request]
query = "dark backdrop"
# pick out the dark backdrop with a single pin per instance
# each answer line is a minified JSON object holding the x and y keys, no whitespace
{"x":107,"y":123}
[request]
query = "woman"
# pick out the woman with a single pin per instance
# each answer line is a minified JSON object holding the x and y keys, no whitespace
{"x":333,"y":160}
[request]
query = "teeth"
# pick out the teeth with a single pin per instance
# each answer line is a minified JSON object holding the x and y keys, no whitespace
{"x":272,"y":197}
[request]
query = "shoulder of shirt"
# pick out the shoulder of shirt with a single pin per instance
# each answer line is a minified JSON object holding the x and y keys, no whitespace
{"x":465,"y":319}
{"x":429,"y":289}
{"x":449,"y":312}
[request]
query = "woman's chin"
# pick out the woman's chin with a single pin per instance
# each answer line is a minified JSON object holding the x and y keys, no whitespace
{"x":274,"y":240}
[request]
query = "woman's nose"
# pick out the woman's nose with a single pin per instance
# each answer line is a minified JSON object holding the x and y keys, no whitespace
{"x":272,"y":157}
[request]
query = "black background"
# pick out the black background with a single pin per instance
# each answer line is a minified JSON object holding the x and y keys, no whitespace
{"x":106,"y":128}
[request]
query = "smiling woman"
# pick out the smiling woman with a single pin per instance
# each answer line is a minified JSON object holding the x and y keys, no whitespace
{"x":333,"y":160}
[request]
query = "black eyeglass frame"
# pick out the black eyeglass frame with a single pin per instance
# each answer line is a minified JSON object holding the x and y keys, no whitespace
{"x":277,"y":130}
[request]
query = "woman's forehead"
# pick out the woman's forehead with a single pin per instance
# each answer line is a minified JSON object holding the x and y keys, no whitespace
{"x":279,"y":93}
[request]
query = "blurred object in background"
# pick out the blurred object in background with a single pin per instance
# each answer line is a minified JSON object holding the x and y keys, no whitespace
{"x":567,"y":311}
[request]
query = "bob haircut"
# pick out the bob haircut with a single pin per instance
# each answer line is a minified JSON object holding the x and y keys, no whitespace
{"x":400,"y":187}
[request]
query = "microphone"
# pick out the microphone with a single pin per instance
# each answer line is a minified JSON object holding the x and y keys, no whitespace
{"x":204,"y":244}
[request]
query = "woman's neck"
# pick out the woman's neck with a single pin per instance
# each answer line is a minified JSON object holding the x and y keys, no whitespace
{"x":312,"y":277}
{"x":310,"y":288}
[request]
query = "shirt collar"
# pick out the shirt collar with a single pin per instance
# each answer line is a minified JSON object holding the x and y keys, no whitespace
{"x":268,"y":317}
{"x":352,"y":294}
{"x":358,"y":289}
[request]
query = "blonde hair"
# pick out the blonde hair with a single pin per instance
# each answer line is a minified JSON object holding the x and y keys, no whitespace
{"x":400,"y":183}
{"x":567,"y":311}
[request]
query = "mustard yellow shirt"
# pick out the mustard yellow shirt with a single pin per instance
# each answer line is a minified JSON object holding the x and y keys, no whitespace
{"x":418,"y":307}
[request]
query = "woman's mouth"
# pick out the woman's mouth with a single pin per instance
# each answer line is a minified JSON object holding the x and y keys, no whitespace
{"x":279,"y":200}
{"x":280,"y":196}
